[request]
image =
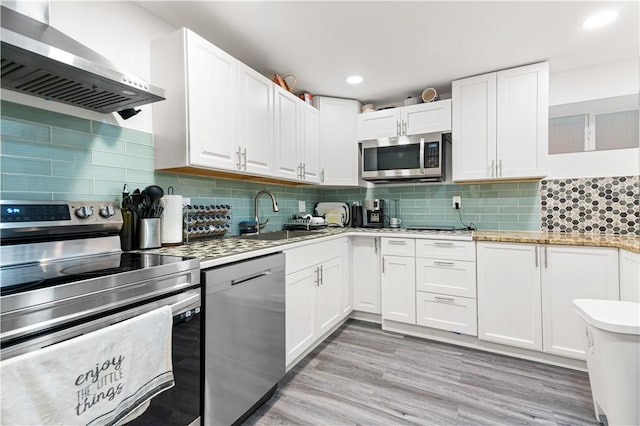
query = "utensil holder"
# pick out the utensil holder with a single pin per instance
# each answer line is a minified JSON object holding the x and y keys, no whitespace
{"x":149,"y":235}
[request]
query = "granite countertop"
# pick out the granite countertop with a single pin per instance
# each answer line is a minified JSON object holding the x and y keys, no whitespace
{"x":214,"y":252}
{"x":626,"y":242}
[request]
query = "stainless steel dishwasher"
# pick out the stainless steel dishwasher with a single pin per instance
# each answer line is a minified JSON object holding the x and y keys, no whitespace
{"x":244,"y":337}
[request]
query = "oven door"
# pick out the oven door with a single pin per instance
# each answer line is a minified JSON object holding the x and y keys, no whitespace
{"x":180,"y":405}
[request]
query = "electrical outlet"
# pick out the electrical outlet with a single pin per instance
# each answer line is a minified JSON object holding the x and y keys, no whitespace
{"x":456,"y":201}
{"x":186,"y":200}
{"x":302,"y":206}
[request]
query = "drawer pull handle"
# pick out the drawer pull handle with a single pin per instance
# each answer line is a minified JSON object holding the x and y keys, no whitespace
{"x":397,"y":242}
{"x":447,"y":299}
{"x":440,"y":262}
{"x":437,"y":243}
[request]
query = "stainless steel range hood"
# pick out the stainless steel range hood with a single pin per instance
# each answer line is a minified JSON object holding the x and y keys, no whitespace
{"x":41,"y":61}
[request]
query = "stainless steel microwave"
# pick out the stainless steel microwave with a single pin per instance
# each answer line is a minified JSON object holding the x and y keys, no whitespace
{"x":419,"y":158}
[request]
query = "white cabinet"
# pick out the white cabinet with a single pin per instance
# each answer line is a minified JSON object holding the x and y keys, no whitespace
{"x":338,"y":140}
{"x":315,"y":288}
{"x":526,"y":293}
{"x":309,"y":142}
{"x":573,"y":273}
{"x":446,"y":285}
{"x":255,"y":121}
{"x":197,"y":124}
{"x":365,"y":274}
{"x":509,"y":299}
{"x":300,"y":316}
{"x":399,"y":288}
{"x":221,"y":115}
{"x":329,"y":283}
{"x":346,"y":289}
{"x":457,"y":314}
{"x":500,"y":124}
{"x":398,"y":280}
{"x":297,"y":143}
{"x":432,"y":117}
{"x":629,"y":276}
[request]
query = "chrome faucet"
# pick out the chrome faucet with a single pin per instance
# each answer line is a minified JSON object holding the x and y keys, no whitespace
{"x":255,"y":207}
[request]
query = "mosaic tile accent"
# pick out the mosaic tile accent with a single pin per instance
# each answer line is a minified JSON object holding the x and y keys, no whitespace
{"x":605,"y":205}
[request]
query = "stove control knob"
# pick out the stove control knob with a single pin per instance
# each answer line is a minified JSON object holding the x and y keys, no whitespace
{"x":107,"y":212}
{"x":83,"y":212}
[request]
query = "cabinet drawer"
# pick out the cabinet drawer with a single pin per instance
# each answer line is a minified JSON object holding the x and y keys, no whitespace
{"x":446,"y":249}
{"x":457,"y":314}
{"x":398,"y":247}
{"x":313,"y":254}
{"x":451,"y":277}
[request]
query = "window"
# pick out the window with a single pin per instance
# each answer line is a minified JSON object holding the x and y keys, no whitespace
{"x":603,"y":124}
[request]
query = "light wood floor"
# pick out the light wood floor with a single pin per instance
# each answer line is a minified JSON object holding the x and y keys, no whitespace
{"x":364,"y":376}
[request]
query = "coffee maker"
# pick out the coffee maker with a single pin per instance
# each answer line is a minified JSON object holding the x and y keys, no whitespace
{"x":374,"y":213}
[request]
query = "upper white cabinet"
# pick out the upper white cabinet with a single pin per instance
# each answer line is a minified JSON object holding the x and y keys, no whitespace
{"x":297,"y":143}
{"x":429,"y":117}
{"x":500,"y":124}
{"x":255,"y":121}
{"x":338,"y":140}
{"x":197,"y":124}
{"x":222,"y":115}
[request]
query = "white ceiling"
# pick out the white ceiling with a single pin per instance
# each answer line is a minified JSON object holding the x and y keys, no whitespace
{"x":400,"y":48}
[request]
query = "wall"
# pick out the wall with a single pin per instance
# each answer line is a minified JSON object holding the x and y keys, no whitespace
{"x":120,"y":31}
{"x":52,"y":156}
{"x":596,"y":82}
{"x":503,"y":206}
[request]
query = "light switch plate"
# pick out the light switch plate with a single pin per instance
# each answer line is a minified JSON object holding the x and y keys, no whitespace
{"x":302,"y":206}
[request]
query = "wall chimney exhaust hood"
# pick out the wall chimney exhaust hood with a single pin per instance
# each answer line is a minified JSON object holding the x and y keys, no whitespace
{"x":41,"y":61}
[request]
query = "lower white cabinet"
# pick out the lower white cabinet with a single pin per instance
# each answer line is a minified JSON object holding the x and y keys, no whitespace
{"x":509,"y":299}
{"x":457,"y":314}
{"x":317,"y":294}
{"x":450,"y":277}
{"x":629,"y":276}
{"x":365,"y":274}
{"x":300,"y":312}
{"x":399,"y":289}
{"x":526,"y":293}
{"x":573,"y":273}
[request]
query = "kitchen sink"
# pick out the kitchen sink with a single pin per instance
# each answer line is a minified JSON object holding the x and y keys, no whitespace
{"x":279,"y":235}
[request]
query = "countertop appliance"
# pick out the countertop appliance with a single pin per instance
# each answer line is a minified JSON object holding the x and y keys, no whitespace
{"x":374,"y":213}
{"x":62,"y":274}
{"x":39,"y":60}
{"x":417,"y":158}
{"x":245,"y":335}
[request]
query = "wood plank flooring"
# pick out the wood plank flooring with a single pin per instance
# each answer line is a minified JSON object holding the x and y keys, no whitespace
{"x":362,"y":375}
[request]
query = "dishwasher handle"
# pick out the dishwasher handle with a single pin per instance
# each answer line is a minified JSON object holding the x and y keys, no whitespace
{"x":250,"y":277}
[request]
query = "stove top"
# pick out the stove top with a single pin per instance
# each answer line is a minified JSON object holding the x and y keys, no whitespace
{"x":38,"y":275}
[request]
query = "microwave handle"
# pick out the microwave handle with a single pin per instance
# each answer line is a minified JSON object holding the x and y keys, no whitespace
{"x":422,"y":142}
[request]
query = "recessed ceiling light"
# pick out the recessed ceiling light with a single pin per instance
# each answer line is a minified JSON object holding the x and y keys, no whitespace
{"x":355,"y":79}
{"x":600,"y":19}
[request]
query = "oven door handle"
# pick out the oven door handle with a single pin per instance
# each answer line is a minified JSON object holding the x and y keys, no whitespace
{"x":179,"y":303}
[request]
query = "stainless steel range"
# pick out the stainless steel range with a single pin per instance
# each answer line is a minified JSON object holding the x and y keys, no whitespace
{"x":63,"y":274}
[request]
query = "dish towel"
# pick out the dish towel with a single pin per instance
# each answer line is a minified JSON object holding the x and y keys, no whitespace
{"x":100,"y":378}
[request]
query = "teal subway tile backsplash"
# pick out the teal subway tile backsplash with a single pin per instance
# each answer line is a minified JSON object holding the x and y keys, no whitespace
{"x":44,"y":117}
{"x":18,"y":129}
{"x":47,"y":155}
